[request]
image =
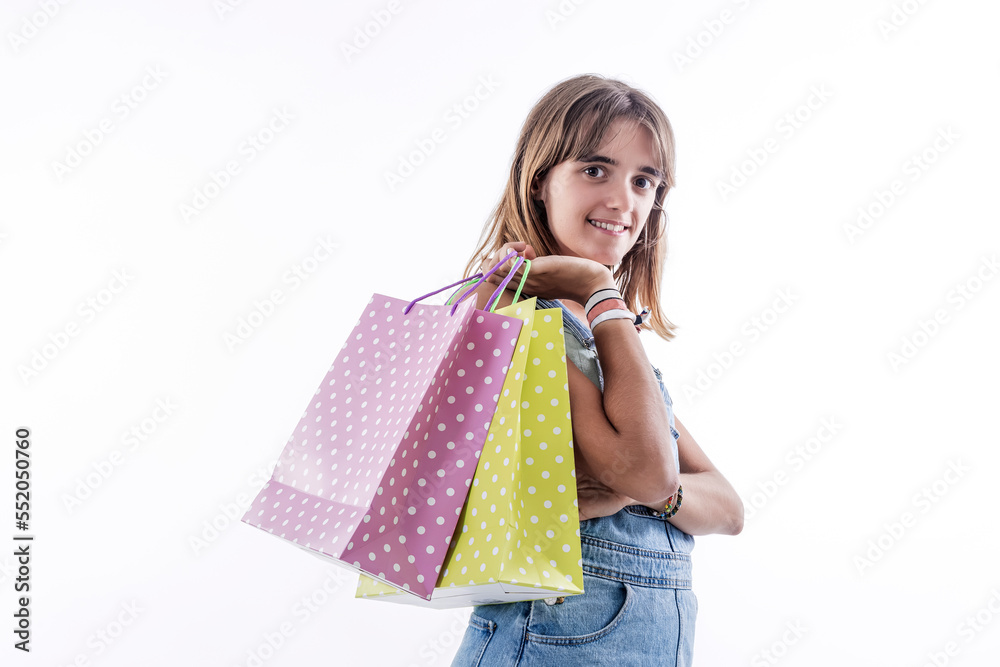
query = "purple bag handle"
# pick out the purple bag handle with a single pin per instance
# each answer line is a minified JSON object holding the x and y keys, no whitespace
{"x":499,"y":290}
{"x":481,"y":277}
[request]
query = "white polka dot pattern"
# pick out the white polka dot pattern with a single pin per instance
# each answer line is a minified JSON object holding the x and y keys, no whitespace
{"x":378,"y":467}
{"x":519,"y":531}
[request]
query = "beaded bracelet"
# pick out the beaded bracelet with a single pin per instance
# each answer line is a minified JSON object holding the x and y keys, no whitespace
{"x":671,"y":509}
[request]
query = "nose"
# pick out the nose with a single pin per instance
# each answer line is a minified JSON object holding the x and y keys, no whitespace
{"x":618,"y":196}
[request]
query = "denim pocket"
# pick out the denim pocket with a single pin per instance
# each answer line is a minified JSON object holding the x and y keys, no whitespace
{"x":584,"y":618}
{"x":477,"y":637}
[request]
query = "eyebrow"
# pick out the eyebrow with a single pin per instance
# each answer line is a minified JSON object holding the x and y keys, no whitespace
{"x":614,"y":163}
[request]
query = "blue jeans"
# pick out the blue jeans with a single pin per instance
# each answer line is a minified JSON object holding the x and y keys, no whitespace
{"x":637,"y":607}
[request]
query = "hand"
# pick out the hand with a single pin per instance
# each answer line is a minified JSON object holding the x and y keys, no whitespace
{"x":596,"y":499}
{"x":553,"y":276}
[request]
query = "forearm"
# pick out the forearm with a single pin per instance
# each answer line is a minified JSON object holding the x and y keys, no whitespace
{"x":710,"y":505}
{"x":635,"y":409}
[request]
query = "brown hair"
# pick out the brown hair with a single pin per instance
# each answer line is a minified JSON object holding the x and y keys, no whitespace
{"x":567,"y":123}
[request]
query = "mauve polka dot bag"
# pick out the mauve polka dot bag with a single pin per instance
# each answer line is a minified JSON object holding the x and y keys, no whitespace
{"x":519,"y":534}
{"x":378,"y":468}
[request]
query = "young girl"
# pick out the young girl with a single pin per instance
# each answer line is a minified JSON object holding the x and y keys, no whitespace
{"x":592,"y":167}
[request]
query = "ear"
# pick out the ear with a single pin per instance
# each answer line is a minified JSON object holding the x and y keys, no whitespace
{"x":537,"y":190}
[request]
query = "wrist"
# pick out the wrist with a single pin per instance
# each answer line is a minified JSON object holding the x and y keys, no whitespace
{"x":608,"y":304}
{"x":669,"y":507}
{"x":601,"y":279}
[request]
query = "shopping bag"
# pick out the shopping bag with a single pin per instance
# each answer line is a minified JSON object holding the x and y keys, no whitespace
{"x":376,"y":472}
{"x":518,"y":537}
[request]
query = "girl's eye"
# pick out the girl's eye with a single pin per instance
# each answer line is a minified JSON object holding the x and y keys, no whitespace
{"x":643,"y":182}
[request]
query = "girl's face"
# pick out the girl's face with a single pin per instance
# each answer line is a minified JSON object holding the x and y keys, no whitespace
{"x":597,"y":205}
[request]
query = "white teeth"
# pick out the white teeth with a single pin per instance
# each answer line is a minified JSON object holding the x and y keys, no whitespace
{"x":610,"y":228}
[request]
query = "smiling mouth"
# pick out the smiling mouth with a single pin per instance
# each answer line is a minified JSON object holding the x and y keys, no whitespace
{"x":608,"y":227}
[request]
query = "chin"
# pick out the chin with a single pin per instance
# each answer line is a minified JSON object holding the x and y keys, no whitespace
{"x":609,"y":261}
{"x":606,"y":257}
{"x":602,"y":254}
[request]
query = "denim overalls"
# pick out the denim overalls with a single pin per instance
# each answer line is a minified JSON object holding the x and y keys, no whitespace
{"x":638,"y":607}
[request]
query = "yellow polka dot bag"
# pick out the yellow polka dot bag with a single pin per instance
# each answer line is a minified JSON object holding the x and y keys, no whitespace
{"x":518,"y":537}
{"x":376,"y":473}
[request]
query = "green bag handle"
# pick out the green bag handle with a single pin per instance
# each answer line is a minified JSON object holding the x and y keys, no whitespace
{"x":460,"y":290}
{"x":520,"y":286}
{"x":517,"y":294}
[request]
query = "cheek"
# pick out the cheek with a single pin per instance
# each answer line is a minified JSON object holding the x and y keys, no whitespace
{"x":637,"y":239}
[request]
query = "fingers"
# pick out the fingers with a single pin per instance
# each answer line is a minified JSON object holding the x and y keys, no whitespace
{"x":506,"y":249}
{"x":488,"y":264}
{"x":520,"y":247}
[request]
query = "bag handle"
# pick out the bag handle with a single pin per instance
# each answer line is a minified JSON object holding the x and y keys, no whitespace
{"x":517,"y":294}
{"x":520,"y":286}
{"x":503,"y":285}
{"x":481,"y":278}
{"x":495,"y":297}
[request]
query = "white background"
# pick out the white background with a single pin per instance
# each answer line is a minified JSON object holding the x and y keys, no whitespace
{"x":855,"y":297}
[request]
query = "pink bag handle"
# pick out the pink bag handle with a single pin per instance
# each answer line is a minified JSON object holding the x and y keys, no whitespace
{"x":482,"y":279}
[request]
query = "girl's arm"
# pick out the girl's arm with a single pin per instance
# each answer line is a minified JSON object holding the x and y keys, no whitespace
{"x":622,"y":435}
{"x":710,"y":504}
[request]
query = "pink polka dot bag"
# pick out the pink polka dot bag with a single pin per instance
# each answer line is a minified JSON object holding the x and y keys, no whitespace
{"x":378,"y":468}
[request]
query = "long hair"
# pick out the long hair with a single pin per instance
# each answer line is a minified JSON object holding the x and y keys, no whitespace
{"x":567,"y":123}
